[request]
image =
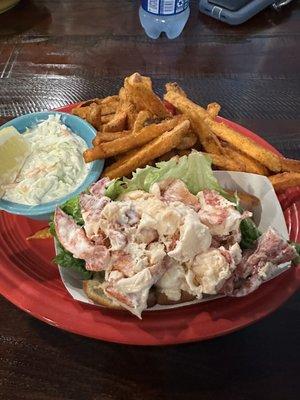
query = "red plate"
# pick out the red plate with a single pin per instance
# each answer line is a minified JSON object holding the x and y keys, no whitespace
{"x":31,"y":282}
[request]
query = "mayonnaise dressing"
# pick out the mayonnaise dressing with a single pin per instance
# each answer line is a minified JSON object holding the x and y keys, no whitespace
{"x":211,"y":270}
{"x":172,"y":282}
{"x":54,"y":167}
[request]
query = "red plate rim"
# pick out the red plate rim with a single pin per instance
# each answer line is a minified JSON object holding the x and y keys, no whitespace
{"x":40,"y":292}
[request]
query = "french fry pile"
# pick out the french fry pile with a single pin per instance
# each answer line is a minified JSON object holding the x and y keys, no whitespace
{"x":136,"y":128}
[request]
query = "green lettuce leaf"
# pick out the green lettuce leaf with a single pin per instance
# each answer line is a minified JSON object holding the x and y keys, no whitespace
{"x":114,"y":189}
{"x":66,"y":260}
{"x":296,"y":260}
{"x":249,"y":231}
{"x":52,"y":228}
{"x":297,"y":247}
{"x":194,"y":170}
{"x":72,"y":207}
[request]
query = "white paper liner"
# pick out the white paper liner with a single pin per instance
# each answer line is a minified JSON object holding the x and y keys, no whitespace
{"x":268,"y":214}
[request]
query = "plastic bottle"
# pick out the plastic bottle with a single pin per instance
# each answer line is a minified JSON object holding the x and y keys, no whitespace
{"x":169,"y":16}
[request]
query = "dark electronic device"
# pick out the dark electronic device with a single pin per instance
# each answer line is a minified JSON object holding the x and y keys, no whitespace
{"x":235,"y":12}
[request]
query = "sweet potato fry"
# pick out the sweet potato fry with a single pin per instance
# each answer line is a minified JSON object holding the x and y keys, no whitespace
{"x":123,"y":158}
{"x":157,"y":147}
{"x":110,"y":100}
{"x":124,"y":116}
{"x":91,"y":113}
{"x":213,"y":109}
{"x":225,"y":163}
{"x":245,"y":145}
{"x":139,"y":92}
{"x":87,"y":103}
{"x":81,"y":111}
{"x":105,"y":119}
{"x":247,"y":163}
{"x":109,"y":105}
{"x":136,"y":121}
{"x":174,"y":87}
{"x":196,"y":114}
{"x":141,"y":118}
{"x":118,"y":146}
{"x":176,"y":96}
{"x":41,"y":234}
{"x":285,"y":180}
{"x":131,"y":115}
{"x":107,"y":109}
{"x":109,"y":136}
{"x":116,"y":124}
{"x":97,"y":111}
{"x":187,"y":141}
{"x":290,"y":165}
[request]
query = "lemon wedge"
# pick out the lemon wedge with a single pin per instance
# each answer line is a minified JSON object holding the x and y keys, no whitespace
{"x":13,"y":151}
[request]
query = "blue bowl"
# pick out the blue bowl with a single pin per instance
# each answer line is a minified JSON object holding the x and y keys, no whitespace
{"x":77,"y":126}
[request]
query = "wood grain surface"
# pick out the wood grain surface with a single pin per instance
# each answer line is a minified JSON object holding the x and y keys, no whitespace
{"x":55,"y":52}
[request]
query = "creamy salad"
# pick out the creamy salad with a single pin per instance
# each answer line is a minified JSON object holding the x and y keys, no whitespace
{"x":54,"y":166}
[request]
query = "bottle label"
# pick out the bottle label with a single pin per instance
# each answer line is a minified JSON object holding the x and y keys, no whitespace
{"x":165,"y":7}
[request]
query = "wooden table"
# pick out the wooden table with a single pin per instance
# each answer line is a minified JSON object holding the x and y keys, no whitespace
{"x":56,"y":52}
